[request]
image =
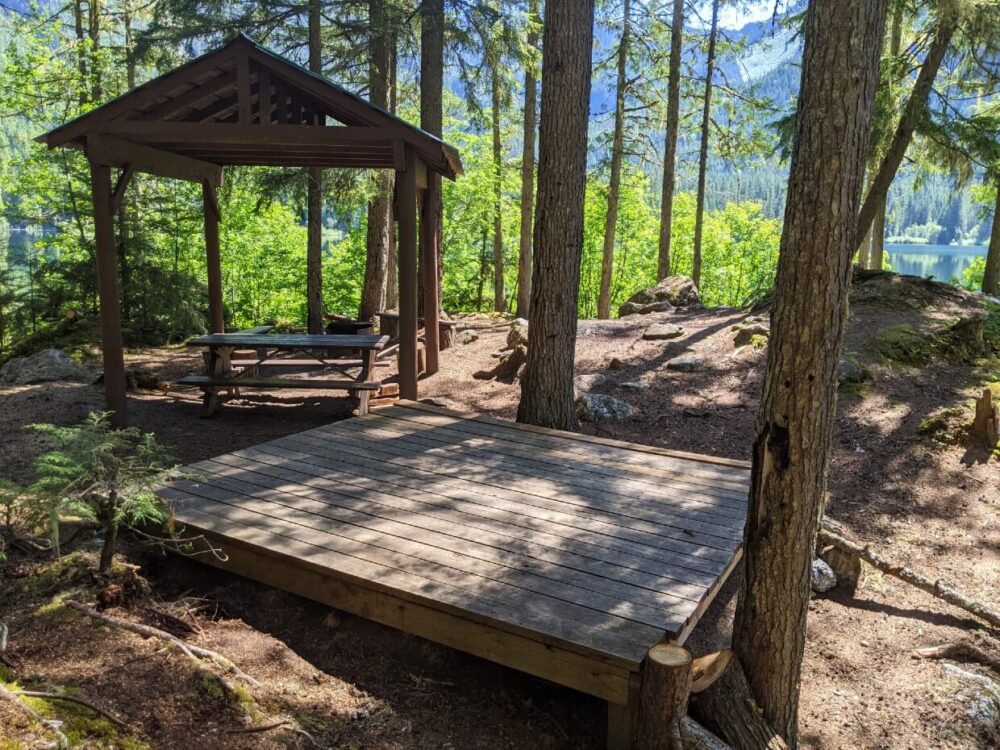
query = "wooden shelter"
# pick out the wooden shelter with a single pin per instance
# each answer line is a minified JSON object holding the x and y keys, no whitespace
{"x":245,"y":105}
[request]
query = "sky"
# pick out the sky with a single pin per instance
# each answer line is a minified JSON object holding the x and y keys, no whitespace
{"x":732,"y":17}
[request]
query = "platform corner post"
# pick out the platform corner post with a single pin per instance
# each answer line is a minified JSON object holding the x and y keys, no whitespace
{"x":665,"y":686}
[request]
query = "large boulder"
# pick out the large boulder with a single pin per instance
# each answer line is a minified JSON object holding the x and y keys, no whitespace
{"x":663,"y":332}
{"x":45,"y":366}
{"x":586,"y":383}
{"x":598,"y":407}
{"x":509,"y":368}
{"x":673,"y":291}
{"x":686,"y":363}
{"x":518,"y":334}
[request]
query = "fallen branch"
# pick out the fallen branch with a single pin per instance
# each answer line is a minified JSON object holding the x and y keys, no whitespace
{"x":938,"y":588}
{"x":262,"y":728}
{"x":73,"y":699}
{"x":10,"y":696}
{"x":960,"y":651}
{"x":148,"y":631}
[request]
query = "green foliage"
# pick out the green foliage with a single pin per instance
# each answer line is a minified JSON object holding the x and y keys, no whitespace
{"x":101,"y":474}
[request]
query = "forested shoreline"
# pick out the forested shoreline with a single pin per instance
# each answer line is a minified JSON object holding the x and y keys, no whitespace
{"x":58,"y":63}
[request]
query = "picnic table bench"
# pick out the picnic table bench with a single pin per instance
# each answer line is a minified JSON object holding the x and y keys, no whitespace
{"x":318,"y":351}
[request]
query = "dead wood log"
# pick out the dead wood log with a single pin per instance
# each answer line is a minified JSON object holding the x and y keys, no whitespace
{"x":696,"y":737}
{"x":938,"y":588}
{"x":665,"y":684}
{"x":707,"y":669}
{"x":960,"y":651}
{"x":728,"y":705}
{"x":195,"y":653}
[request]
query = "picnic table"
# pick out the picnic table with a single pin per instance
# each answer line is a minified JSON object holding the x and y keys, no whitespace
{"x":269,"y":352}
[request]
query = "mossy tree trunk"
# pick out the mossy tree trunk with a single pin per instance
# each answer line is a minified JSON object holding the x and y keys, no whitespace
{"x":991,"y":277}
{"x":840,"y":68}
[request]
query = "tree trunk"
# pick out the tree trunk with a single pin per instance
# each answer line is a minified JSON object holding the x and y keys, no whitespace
{"x":706,"y":121}
{"x":912,"y":112}
{"x":547,"y":385}
{"x":314,"y":198}
{"x":96,"y":86}
{"x":431,"y":91}
{"x":81,"y":56}
{"x":614,"y":182}
{"x":373,"y":294}
{"x":991,"y":278}
{"x":528,"y":169}
{"x":670,"y":146}
{"x":840,"y":68}
{"x":874,"y":247}
{"x":499,"y":303}
{"x":110,"y":532}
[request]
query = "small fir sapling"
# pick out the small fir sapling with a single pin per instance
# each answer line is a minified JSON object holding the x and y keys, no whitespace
{"x":101,"y":474}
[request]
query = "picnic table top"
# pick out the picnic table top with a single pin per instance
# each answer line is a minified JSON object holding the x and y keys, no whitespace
{"x":291,"y":340}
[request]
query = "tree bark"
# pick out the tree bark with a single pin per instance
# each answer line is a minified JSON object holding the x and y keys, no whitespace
{"x":663,"y":697}
{"x":706,"y":119}
{"x":614,"y":181}
{"x":373,"y":294}
{"x":670,"y":146}
{"x":431,"y":89}
{"x":96,"y":83}
{"x":499,"y":301}
{"x":528,"y":169}
{"x":912,"y":112}
{"x":314,"y":198}
{"x":840,"y":68}
{"x":547,"y":385}
{"x":991,"y":277}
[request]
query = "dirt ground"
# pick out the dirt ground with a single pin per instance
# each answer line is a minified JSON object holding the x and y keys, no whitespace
{"x":353,"y":684}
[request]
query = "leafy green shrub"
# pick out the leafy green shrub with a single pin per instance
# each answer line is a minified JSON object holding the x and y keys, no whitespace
{"x":102,"y":474}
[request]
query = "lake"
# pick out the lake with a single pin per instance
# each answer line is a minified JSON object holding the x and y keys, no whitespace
{"x":943,"y":262}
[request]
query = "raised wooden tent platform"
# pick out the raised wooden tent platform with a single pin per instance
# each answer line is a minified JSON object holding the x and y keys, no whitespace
{"x":562,"y":555}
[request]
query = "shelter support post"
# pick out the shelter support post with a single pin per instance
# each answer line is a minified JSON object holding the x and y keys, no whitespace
{"x":406,"y":181}
{"x":107,"y":282}
{"x":430,"y":238}
{"x":213,"y":259}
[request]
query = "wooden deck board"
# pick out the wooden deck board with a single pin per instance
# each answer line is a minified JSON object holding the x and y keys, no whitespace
{"x":562,"y":556}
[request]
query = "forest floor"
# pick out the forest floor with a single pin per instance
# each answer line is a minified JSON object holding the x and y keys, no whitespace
{"x":898,"y":480}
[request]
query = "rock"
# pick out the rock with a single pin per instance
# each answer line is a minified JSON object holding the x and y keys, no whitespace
{"x":508,"y":369}
{"x":822,"y":577}
{"x":685,"y":363}
{"x":635,"y":386}
{"x":467,"y":336}
{"x":750,"y":333}
{"x":636,"y":308}
{"x":981,"y":697}
{"x":598,"y":407}
{"x":849,"y":370}
{"x":518,"y":335}
{"x":583,"y":383}
{"x":677,"y":291}
{"x":615,"y":364}
{"x":42,"y":367}
{"x":662,"y":331}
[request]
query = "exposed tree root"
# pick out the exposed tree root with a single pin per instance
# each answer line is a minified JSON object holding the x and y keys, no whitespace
{"x":74,"y":699}
{"x":11,"y":696}
{"x":260,"y":728}
{"x":961,"y":651}
{"x":938,"y":588}
{"x":195,"y":653}
{"x":729,"y":706}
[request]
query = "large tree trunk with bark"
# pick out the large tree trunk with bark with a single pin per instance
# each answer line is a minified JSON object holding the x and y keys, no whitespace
{"x":528,"y":169}
{"x":547,"y":385}
{"x":670,"y":146}
{"x":499,"y":295}
{"x":614,"y":181}
{"x":314,"y":198}
{"x":840,"y":68}
{"x":431,"y":93}
{"x":373,"y":294}
{"x":991,"y":278}
{"x":912,"y":113}
{"x":706,"y":121}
